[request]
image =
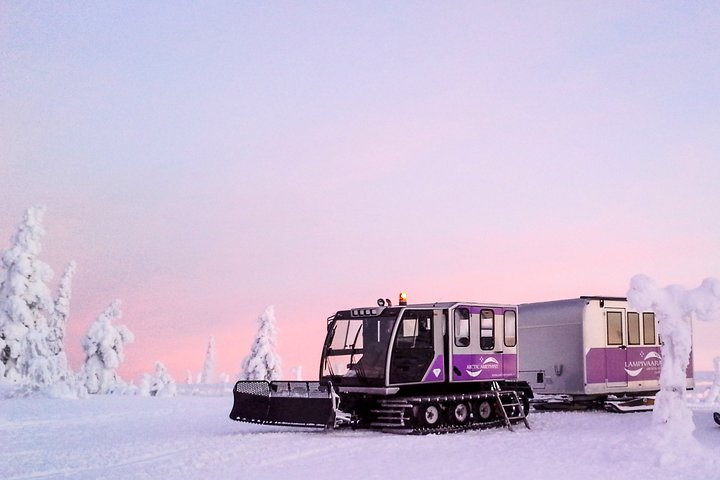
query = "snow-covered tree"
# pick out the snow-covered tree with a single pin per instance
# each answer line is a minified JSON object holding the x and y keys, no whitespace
{"x":104,"y":346}
{"x":58,"y":322}
{"x":159,"y":384}
{"x":675,"y":308}
{"x":208,"y":371}
{"x":263,"y":363}
{"x":25,"y":304}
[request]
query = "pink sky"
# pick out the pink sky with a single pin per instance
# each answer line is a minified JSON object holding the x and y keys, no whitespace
{"x":203,"y":162}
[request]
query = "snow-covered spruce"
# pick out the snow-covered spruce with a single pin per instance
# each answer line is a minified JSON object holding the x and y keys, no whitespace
{"x":207,"y":375}
{"x":263,"y":363}
{"x":25,"y":305}
{"x":159,"y":384}
{"x":57,"y":322}
{"x":104,"y":346}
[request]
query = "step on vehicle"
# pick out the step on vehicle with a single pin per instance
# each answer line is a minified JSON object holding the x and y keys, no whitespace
{"x":423,"y":368}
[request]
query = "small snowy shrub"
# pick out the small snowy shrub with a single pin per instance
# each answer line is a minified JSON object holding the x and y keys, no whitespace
{"x":104,"y":352}
{"x":159,"y":384}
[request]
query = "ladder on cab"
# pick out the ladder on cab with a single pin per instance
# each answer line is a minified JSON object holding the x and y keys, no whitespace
{"x":510,"y":406}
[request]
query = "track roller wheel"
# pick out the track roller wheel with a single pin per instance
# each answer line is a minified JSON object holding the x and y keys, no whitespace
{"x":485,"y":411}
{"x":429,"y":415}
{"x":460,"y":413}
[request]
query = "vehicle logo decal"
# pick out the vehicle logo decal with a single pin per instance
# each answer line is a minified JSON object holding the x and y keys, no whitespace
{"x":490,"y":363}
{"x":651,"y":359}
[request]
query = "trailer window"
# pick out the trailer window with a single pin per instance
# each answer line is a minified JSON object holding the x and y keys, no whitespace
{"x":487,"y":329}
{"x":614,"y":328}
{"x":649,"y":328}
{"x":462,"y":327}
{"x":510,"y":327}
{"x":633,"y":326}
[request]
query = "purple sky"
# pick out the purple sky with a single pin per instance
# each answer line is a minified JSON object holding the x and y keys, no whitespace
{"x":202,"y":161}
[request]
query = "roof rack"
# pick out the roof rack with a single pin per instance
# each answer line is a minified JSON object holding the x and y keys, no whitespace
{"x":600,"y":297}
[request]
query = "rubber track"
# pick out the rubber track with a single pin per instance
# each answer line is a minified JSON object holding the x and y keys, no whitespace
{"x":410,"y":403}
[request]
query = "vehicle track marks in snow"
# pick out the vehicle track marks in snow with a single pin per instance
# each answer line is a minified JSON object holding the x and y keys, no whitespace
{"x":103,"y":470}
{"x":291,"y":457}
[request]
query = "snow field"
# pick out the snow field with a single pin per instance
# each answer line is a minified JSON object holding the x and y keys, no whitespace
{"x":106,"y":436}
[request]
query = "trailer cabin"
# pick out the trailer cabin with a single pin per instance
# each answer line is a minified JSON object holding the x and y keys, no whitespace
{"x":590,"y":347}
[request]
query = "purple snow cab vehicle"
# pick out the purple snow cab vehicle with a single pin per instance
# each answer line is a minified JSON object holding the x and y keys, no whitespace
{"x":421,"y":368}
{"x":591,"y":351}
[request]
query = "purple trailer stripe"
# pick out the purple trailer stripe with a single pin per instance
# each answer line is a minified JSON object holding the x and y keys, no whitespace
{"x":623,"y":365}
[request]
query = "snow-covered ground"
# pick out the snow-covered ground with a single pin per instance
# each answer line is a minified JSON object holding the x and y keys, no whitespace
{"x":191,"y":437}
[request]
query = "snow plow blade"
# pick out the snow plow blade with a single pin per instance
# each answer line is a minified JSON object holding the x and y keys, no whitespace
{"x":297,"y":404}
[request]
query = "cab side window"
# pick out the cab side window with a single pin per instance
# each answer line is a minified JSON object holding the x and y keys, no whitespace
{"x":415,"y":330}
{"x":461,"y":326}
{"x":510,"y":328}
{"x":487,"y":329}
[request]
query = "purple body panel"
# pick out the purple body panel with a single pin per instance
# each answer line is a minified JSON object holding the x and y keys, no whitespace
{"x":635,"y":364}
{"x":613,"y":364}
{"x":484,"y":366}
{"x":436,"y":372}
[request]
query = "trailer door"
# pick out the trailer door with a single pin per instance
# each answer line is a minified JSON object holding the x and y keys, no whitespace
{"x":616,"y":348}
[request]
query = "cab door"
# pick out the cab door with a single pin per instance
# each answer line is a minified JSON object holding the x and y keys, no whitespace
{"x":475,"y":353}
{"x":413,"y":347}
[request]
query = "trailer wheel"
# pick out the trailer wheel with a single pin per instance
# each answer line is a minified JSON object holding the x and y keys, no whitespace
{"x":485,"y":411}
{"x":460,"y":413}
{"x":430,"y":415}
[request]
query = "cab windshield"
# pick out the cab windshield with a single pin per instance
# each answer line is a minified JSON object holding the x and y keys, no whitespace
{"x":356,"y":349}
